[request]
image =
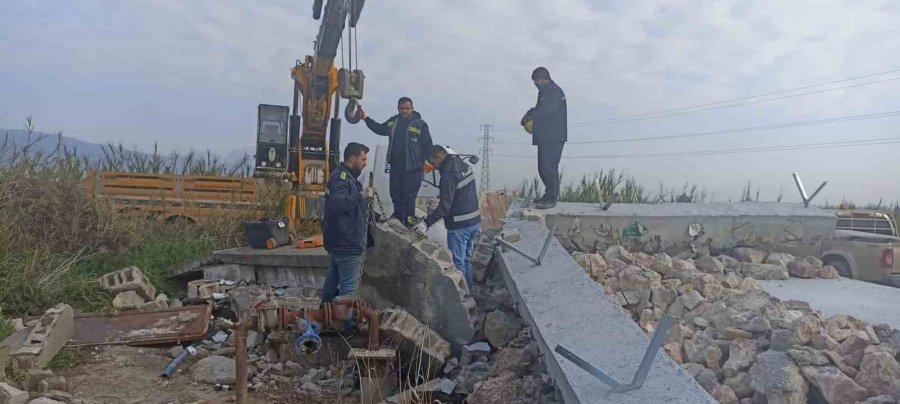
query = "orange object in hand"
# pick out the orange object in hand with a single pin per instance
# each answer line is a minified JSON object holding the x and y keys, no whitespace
{"x":428,"y":167}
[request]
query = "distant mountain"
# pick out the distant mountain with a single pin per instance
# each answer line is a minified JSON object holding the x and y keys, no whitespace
{"x":47,"y":142}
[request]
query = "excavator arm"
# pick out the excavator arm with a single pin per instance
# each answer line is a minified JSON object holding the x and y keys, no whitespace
{"x":319,"y":83}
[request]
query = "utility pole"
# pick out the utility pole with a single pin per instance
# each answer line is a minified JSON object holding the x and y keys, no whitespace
{"x":486,"y":140}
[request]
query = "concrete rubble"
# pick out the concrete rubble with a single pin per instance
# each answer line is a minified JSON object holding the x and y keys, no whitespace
{"x":731,"y":333}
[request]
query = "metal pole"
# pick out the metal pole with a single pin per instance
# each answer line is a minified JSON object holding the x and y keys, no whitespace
{"x":547,"y":242}
{"x":800,"y":188}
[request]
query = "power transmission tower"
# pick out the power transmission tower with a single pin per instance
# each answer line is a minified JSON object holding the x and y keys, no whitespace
{"x":486,"y":140}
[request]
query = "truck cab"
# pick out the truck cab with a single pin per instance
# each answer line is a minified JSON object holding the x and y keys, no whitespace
{"x":863,"y":246}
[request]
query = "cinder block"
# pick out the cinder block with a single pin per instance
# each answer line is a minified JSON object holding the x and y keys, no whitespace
{"x":230,"y":272}
{"x":414,"y":337}
{"x":46,"y":339}
{"x":128,"y":279}
{"x":202,"y":288}
{"x":12,"y":395}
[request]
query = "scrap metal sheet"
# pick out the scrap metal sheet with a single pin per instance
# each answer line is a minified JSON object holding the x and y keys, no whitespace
{"x":161,"y":326}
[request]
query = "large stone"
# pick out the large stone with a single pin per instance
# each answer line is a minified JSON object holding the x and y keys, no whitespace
{"x":731,"y":281}
{"x":34,"y":377}
{"x":729,"y":261}
{"x":12,"y":395}
{"x":801,"y":268}
{"x":49,"y":335}
{"x":45,"y":400}
{"x":877,"y":371}
{"x":885,"y":399}
{"x":834,"y":385}
{"x":620,"y":253}
{"x":777,"y":258}
{"x":662,"y":264}
{"x":706,"y":284}
{"x":685,"y":303}
{"x":724,"y":395}
{"x":411,"y":273}
{"x":500,"y":328}
{"x":735,"y":333}
{"x":854,"y":343}
{"x":744,"y":254}
{"x":828,"y":272}
{"x":707,"y":379}
{"x":712,"y":357}
{"x":514,"y":360}
{"x":502,"y":389}
{"x":775,"y":376}
{"x":749,"y":284}
{"x":740,"y":384}
{"x":636,"y":278}
{"x":593,"y":264}
{"x":214,"y":370}
{"x":764,"y":271}
{"x":758,"y":324}
{"x":854,"y":359}
{"x":837,"y":360}
{"x":663,"y":297}
{"x":805,"y":327}
{"x":895,"y":390}
{"x":821,"y":340}
{"x":782,"y":340}
{"x":741,"y":354}
{"x":806,"y":356}
{"x":710,"y":265}
{"x":814,"y":261}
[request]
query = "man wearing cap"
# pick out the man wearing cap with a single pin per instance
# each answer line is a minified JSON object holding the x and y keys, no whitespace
{"x":458,"y":207}
{"x":549,"y":134}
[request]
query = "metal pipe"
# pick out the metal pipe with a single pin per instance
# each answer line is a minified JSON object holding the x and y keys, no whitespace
{"x":173,"y":365}
{"x":241,"y":357}
{"x":372,"y":317}
{"x":547,"y":242}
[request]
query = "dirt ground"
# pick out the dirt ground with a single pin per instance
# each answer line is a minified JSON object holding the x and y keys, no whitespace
{"x":130,"y":375}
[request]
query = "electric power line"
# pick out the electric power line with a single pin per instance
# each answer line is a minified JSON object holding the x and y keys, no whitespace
{"x":733,"y":131}
{"x":487,"y":139}
{"x":733,"y":102}
{"x":826,"y":145}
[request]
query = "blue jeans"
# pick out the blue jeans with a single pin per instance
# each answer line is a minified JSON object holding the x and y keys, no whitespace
{"x":461,"y":242}
{"x":343,"y":276}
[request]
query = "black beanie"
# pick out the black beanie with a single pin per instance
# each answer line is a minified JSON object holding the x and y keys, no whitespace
{"x":540,"y":73}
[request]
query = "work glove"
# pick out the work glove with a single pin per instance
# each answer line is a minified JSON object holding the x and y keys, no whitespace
{"x":362,"y":114}
{"x":428,"y":167}
{"x":421,"y":228}
{"x":369,"y":193}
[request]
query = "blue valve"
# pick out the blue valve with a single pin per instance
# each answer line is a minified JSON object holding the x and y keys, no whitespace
{"x":308,"y":341}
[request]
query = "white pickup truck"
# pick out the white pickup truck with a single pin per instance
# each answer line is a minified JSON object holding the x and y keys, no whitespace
{"x":863,"y":247}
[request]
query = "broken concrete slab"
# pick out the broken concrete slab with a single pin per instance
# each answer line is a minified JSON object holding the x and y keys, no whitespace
{"x":128,"y":300}
{"x":231,"y":272}
{"x":415,"y":339}
{"x":565,"y":306}
{"x":12,"y":395}
{"x":418,"y":276}
{"x":128,"y":279}
{"x":285,"y":256}
{"x":192,"y":268}
{"x":49,"y":335}
{"x":724,"y":225}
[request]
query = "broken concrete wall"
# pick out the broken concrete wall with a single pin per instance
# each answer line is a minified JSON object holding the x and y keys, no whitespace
{"x":564,"y":306}
{"x":654,"y":228}
{"x":418,"y":275}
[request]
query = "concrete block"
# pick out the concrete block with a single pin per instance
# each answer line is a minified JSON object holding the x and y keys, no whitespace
{"x":230,"y":272}
{"x":414,"y":338}
{"x":51,"y":333}
{"x":128,"y":279}
{"x":128,"y":300}
{"x":202,"y":289}
{"x":161,"y":302}
{"x":12,"y":395}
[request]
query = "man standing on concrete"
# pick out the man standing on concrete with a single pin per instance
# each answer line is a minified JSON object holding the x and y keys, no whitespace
{"x":458,"y":207}
{"x":549,"y":133}
{"x":345,"y":227}
{"x":409,"y":142}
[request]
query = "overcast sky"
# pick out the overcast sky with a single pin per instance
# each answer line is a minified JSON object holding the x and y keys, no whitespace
{"x":189,"y":74}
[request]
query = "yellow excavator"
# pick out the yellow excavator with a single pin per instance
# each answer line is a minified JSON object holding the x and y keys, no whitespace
{"x":296,"y":145}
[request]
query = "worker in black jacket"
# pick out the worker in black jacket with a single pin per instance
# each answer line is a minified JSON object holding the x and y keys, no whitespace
{"x":345,"y":227}
{"x":549,"y":134}
{"x":458,"y":207}
{"x":409,"y":143}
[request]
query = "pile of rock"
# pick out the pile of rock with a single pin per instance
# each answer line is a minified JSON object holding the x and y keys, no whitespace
{"x":740,"y":343}
{"x":131,"y":290}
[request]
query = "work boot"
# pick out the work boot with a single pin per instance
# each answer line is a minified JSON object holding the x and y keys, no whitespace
{"x":547,"y":204}
{"x":539,"y":199}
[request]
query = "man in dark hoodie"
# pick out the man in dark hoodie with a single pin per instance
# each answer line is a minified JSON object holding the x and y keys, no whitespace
{"x":549,"y":134}
{"x":409,"y":143}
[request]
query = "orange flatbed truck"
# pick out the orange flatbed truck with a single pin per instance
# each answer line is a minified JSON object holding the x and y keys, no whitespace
{"x":170,"y":197}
